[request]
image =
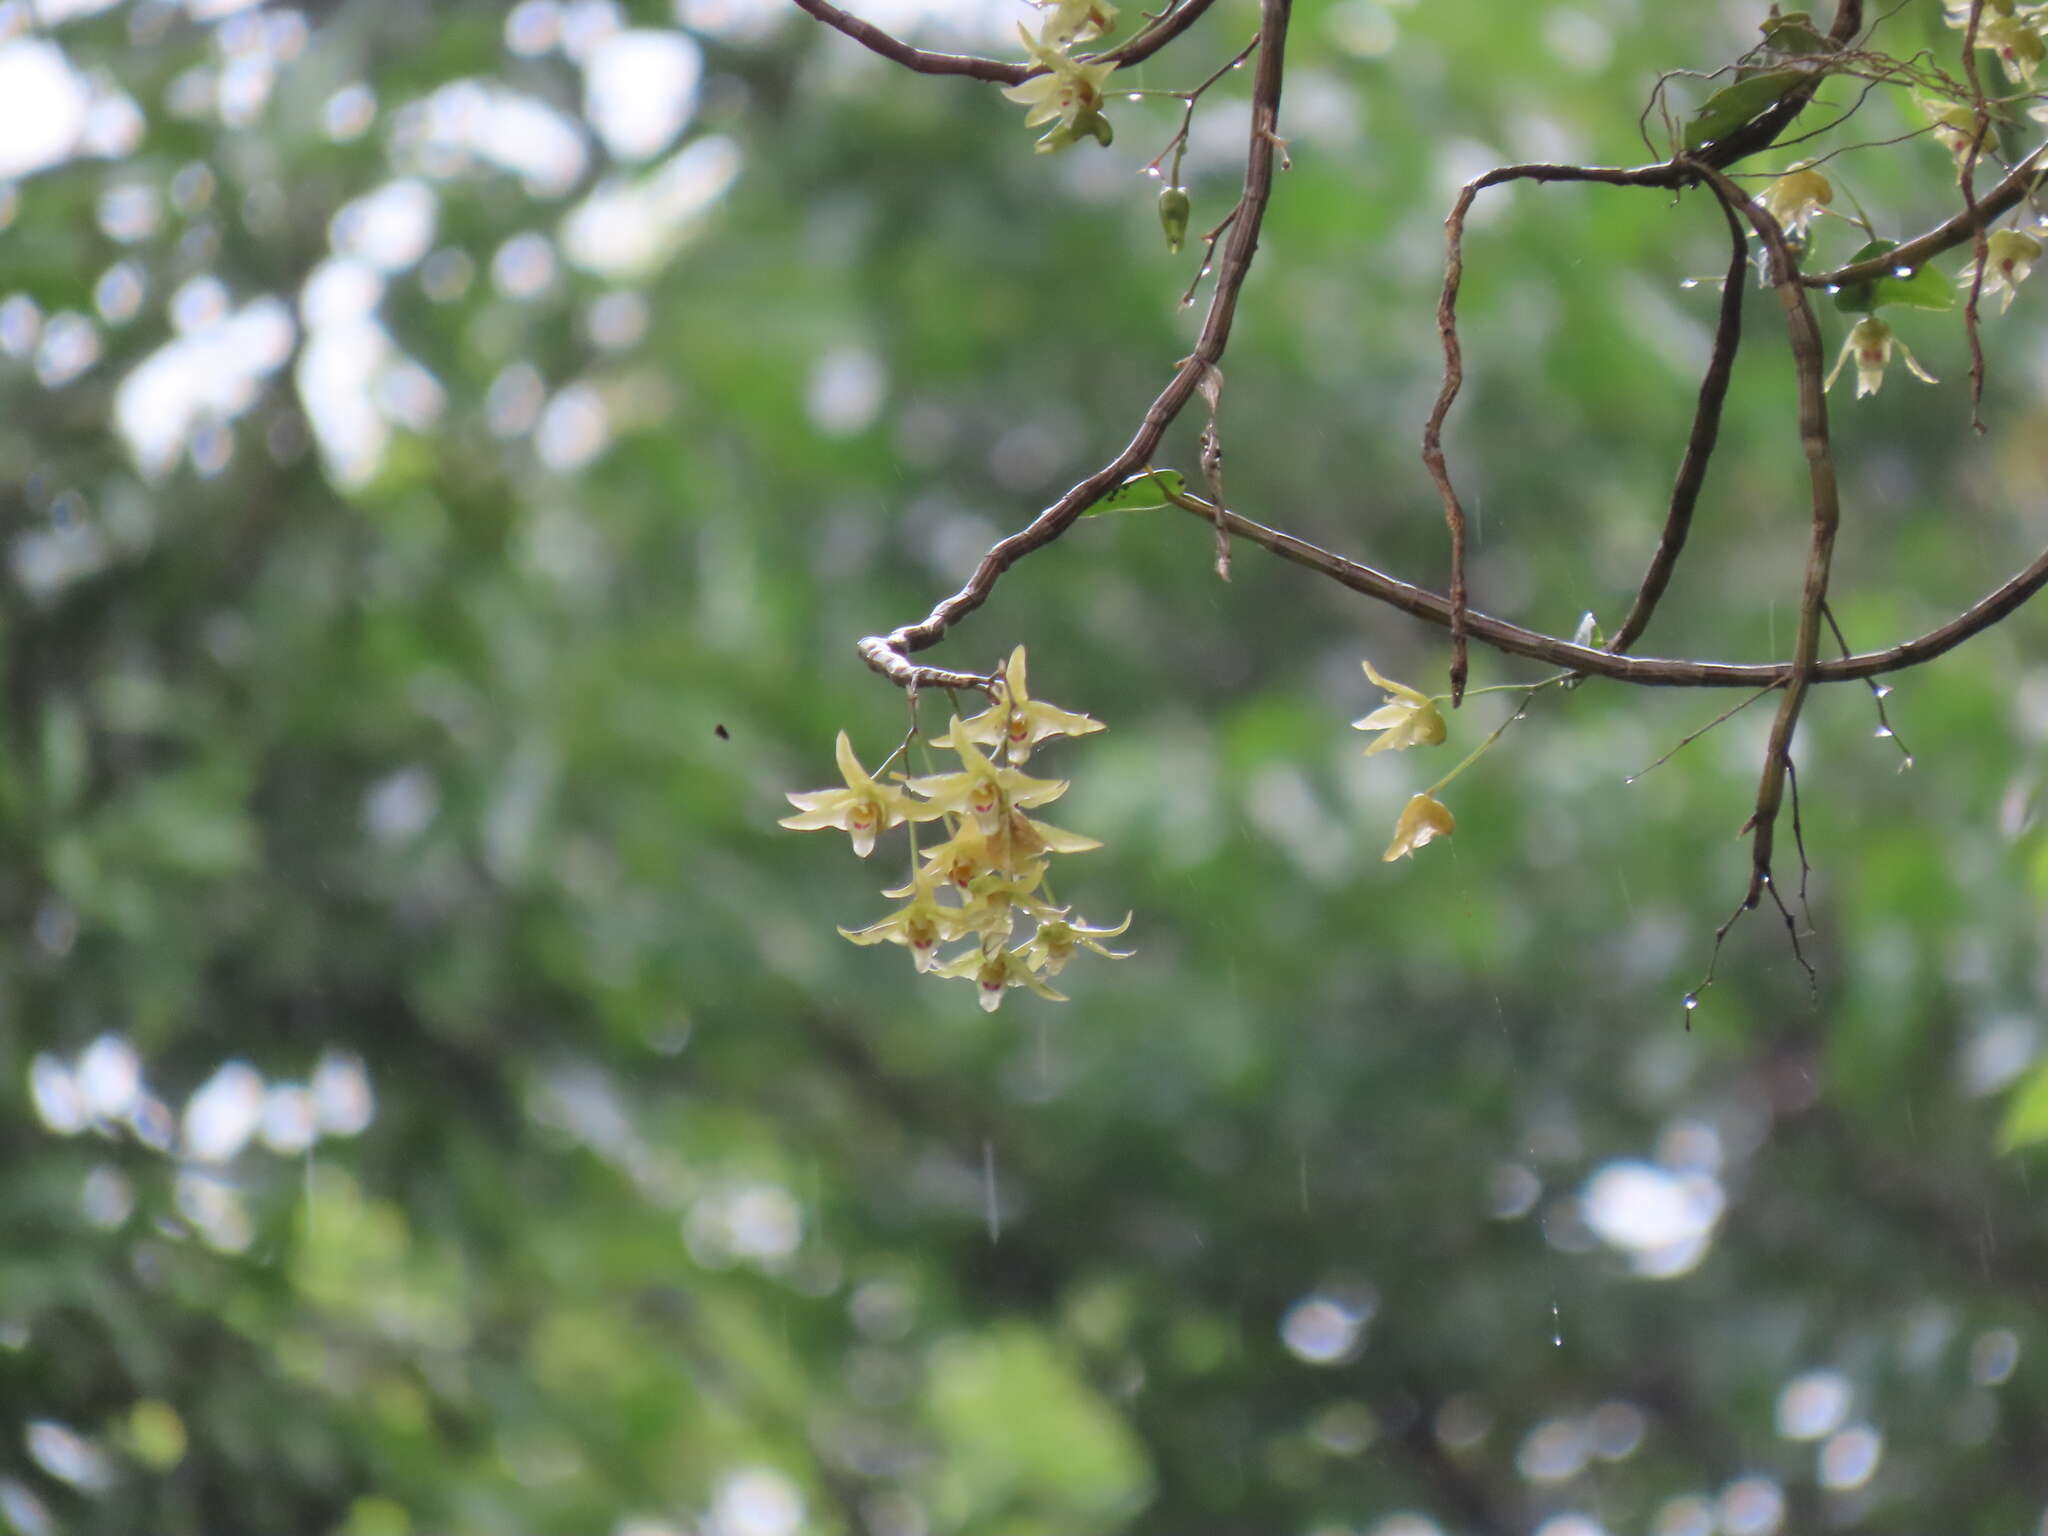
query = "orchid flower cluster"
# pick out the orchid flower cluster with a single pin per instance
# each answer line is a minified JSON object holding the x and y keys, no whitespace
{"x":1069,"y":94}
{"x":1802,"y":194}
{"x":989,"y":874}
{"x":1410,"y":718}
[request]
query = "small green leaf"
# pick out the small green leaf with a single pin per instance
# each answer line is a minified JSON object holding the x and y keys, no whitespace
{"x":2026,"y":1113}
{"x":1927,"y":288}
{"x":1795,"y":33}
{"x":1729,"y":108}
{"x":1146,"y":491}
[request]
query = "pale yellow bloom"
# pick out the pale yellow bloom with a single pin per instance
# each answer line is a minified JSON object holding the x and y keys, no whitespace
{"x":863,"y":808}
{"x":2017,"y":43}
{"x":1795,"y":198}
{"x":1016,"y":721}
{"x":963,"y":857}
{"x":1409,"y":718}
{"x":2010,"y":256}
{"x":980,"y":788}
{"x":1059,"y":935}
{"x":1074,"y":21}
{"x":994,"y":974}
{"x":1871,"y":343}
{"x":1422,"y":819}
{"x":920,"y":927}
{"x":1068,"y":94}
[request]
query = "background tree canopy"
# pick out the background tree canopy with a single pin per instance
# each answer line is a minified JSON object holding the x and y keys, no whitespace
{"x":448,"y":453}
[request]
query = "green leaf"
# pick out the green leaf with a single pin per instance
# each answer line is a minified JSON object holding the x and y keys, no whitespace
{"x":1927,"y":288}
{"x":1146,"y":491}
{"x":1729,"y":108}
{"x":2026,"y":1113}
{"x":1795,"y":33}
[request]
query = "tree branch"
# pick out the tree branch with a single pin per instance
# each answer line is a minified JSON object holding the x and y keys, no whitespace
{"x":2024,"y":178}
{"x":996,"y":71}
{"x":1699,"y":447}
{"x":889,"y":655}
{"x":1652,"y":672}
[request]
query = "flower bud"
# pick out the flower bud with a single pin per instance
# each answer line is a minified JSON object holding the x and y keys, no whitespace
{"x":1173,"y":217}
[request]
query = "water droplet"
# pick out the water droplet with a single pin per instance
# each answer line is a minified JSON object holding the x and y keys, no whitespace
{"x":1188,"y":302}
{"x":1135,"y":96}
{"x":1630,"y":779}
{"x":1902,"y":271}
{"x":1882,"y":733}
{"x":1692,"y":1001}
{"x":1905,"y":765}
{"x":1154,"y":172}
{"x":1206,"y":269}
{"x":1238,"y":65}
{"x":1834,"y":287}
{"x":1556,"y":1328}
{"x":1689,"y":282}
{"x":1764,"y":878}
{"x":1882,"y":690}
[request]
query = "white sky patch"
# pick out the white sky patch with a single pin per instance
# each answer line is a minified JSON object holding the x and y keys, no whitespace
{"x":845,"y":391}
{"x":467,"y":122}
{"x":574,"y":429}
{"x":640,"y":90}
{"x":390,"y":228}
{"x":223,"y":1113}
{"x":757,"y":1501}
{"x":55,"y":12}
{"x":1663,"y":1221}
{"x":625,"y":229}
{"x":208,"y":375}
{"x":43,"y":107}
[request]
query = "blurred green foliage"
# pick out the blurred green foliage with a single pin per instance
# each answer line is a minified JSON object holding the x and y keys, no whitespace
{"x":435,"y":1098}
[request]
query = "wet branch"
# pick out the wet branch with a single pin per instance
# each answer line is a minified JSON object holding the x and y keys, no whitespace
{"x":890,"y":654}
{"x":1645,"y":671}
{"x":995,"y":71}
{"x":1699,"y":447}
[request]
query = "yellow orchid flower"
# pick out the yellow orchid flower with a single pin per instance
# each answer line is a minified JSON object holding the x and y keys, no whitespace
{"x":920,"y":927}
{"x":2010,"y":256}
{"x":1795,"y":197}
{"x":991,"y":904}
{"x":1424,"y":817}
{"x":2018,"y":44}
{"x":1074,"y":21}
{"x":1027,"y":839}
{"x":1068,"y":92}
{"x":1408,"y":718}
{"x":863,"y":808}
{"x":1871,"y":343}
{"x":963,"y":857}
{"x":980,"y":788}
{"x":995,"y":974}
{"x":1059,"y":935}
{"x":1017,"y":722}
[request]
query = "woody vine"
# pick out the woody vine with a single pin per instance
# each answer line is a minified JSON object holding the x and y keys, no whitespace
{"x":1738,"y":145}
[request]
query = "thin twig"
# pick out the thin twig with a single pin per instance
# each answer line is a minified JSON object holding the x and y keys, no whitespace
{"x":1877,"y":692}
{"x":1967,"y":176}
{"x":1699,"y":447}
{"x":1803,"y":332}
{"x":995,"y":71}
{"x":1721,"y":719}
{"x":1653,"y":672}
{"x":890,"y":654}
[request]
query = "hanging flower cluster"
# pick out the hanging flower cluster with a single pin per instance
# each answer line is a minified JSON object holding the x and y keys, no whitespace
{"x":1409,"y":718}
{"x":987,"y":879}
{"x":1069,"y":94}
